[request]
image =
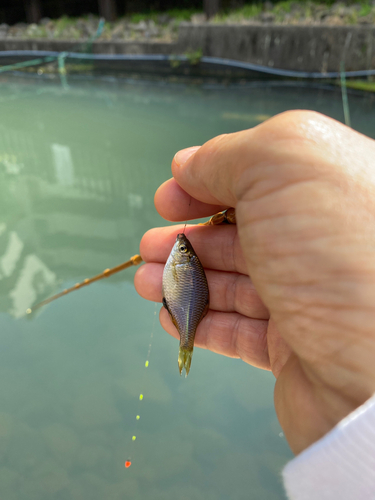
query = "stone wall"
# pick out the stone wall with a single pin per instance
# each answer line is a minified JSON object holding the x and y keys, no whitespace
{"x":303,"y":48}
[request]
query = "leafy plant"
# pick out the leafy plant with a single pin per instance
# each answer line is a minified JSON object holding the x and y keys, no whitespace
{"x":182,"y":14}
{"x":194,"y":57}
{"x":63,"y":23}
{"x":283,"y":7}
{"x":365,"y":10}
{"x":367,"y":86}
{"x":137,"y":18}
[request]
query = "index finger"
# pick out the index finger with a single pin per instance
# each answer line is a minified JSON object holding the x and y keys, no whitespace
{"x":218,"y":247}
{"x":175,"y":204}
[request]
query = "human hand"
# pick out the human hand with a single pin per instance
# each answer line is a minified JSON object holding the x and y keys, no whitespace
{"x":303,"y":186}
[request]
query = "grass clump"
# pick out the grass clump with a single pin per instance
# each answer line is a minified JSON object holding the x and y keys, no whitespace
{"x":182,"y":14}
{"x":142,"y":16}
{"x":366,"y":9}
{"x":62,"y":23}
{"x":178,"y":15}
{"x":361,"y":85}
{"x":243,"y":13}
{"x":248,"y":11}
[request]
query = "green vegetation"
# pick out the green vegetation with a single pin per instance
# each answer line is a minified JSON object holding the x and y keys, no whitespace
{"x":137,"y":18}
{"x":163,"y":26}
{"x":365,"y":85}
{"x":194,"y":57}
{"x":285,"y":6}
{"x":366,"y":9}
{"x":302,"y":11}
{"x":66,"y":26}
{"x":64,"y":22}
{"x":178,"y":15}
{"x":182,"y":15}
{"x":244,"y":13}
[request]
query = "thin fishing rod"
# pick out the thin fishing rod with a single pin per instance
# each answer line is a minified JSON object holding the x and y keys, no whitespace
{"x":226,"y":217}
{"x":133,"y":261}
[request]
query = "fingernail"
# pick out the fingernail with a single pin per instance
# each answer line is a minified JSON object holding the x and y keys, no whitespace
{"x":182,"y":156}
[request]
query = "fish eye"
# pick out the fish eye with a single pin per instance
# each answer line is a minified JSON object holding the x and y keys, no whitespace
{"x":183,"y":248}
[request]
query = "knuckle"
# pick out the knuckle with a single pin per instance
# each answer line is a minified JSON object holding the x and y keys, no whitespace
{"x":294,"y":125}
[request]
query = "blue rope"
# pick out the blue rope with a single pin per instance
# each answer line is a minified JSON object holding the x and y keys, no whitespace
{"x":211,"y":61}
{"x":47,"y":56}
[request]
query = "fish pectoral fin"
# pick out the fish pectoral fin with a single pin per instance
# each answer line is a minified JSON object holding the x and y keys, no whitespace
{"x":165,"y":304}
{"x":206,"y":309}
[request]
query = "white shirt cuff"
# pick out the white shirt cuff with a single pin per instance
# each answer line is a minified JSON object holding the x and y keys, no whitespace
{"x":339,"y":466}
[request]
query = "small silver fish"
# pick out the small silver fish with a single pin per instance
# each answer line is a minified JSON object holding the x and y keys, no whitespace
{"x":185,"y":296}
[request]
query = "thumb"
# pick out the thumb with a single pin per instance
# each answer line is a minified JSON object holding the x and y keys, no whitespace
{"x":210,"y":174}
{"x":205,"y":178}
{"x":246,"y":164}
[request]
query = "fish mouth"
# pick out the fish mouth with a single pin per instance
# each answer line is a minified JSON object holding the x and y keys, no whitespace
{"x":181,"y":236}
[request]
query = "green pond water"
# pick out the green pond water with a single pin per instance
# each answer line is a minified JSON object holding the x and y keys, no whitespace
{"x":78,"y":171}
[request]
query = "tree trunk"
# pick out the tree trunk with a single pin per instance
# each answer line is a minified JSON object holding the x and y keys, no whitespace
{"x":107,"y":9}
{"x":33,"y":11}
{"x":211,"y":7}
{"x":233,"y":4}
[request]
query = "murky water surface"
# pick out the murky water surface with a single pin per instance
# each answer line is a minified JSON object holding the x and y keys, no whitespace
{"x":78,"y":171}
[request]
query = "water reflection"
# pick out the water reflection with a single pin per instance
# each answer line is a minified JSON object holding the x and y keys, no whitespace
{"x":67,"y":207}
{"x":78,"y":171}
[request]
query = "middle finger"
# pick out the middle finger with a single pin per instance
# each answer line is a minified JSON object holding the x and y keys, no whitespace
{"x":229,"y":292}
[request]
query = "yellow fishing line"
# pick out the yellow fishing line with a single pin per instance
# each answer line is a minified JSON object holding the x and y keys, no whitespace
{"x":128,"y":462}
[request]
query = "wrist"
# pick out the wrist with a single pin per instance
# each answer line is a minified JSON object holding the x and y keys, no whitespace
{"x":308,"y":408}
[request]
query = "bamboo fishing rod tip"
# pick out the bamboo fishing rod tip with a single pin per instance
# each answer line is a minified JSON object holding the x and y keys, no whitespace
{"x":136,"y":259}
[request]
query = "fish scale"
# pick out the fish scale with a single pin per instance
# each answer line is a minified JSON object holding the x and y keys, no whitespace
{"x":185,"y":295}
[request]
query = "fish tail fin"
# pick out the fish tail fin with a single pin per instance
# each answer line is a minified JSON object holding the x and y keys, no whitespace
{"x":184,"y":359}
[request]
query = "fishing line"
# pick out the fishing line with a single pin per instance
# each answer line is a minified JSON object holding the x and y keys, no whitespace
{"x":128,"y":462}
{"x":344,"y":94}
{"x":183,"y":232}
